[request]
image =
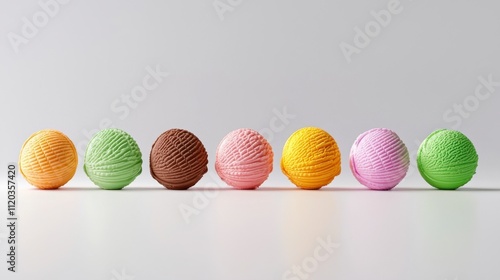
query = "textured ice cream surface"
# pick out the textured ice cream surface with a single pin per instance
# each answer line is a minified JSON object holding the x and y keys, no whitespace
{"x":112,"y":159}
{"x":379,"y":159}
{"x":311,"y":158}
{"x":244,"y":159}
{"x":447,"y":159}
{"x":48,"y":159}
{"x":178,"y":159}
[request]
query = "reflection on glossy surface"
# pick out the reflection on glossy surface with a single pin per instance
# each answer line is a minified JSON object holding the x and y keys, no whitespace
{"x":260,"y":234}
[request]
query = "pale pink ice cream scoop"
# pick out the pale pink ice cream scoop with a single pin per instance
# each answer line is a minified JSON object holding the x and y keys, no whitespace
{"x":244,"y":159}
{"x":379,"y":159}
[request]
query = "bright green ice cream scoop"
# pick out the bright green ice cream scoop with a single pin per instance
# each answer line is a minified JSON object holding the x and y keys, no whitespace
{"x":113,"y":159}
{"x":447,"y":159}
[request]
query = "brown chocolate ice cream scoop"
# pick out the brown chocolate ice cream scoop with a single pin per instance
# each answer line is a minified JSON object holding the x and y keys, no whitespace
{"x":178,"y":159}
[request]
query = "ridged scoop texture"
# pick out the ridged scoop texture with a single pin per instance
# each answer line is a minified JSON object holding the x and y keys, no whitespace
{"x":113,"y":159}
{"x":48,"y":159}
{"x":379,"y":159}
{"x":178,"y":159}
{"x":447,"y":159}
{"x":244,"y":159}
{"x":311,"y":158}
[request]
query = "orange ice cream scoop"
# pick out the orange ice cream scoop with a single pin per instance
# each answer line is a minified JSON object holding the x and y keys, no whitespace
{"x":311,"y":158}
{"x":48,"y":159}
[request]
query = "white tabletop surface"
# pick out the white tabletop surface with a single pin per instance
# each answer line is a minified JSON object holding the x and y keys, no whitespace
{"x":268,"y":233}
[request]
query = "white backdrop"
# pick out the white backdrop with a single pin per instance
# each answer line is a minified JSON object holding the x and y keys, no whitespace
{"x":274,"y":66}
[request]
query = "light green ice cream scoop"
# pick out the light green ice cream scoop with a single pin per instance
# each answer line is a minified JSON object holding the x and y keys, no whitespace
{"x":113,"y":159}
{"x":447,"y":159}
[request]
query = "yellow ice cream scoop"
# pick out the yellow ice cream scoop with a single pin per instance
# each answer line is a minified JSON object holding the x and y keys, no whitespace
{"x":48,"y":159}
{"x":311,"y":158}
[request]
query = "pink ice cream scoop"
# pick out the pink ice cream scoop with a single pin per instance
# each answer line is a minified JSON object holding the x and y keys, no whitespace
{"x":379,"y":159}
{"x":244,"y":159}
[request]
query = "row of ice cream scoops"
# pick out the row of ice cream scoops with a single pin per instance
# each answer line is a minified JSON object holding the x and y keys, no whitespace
{"x":310,"y":159}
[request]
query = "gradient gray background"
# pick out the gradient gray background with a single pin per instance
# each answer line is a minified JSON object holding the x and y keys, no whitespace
{"x":263,"y":56}
{"x":237,"y":72}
